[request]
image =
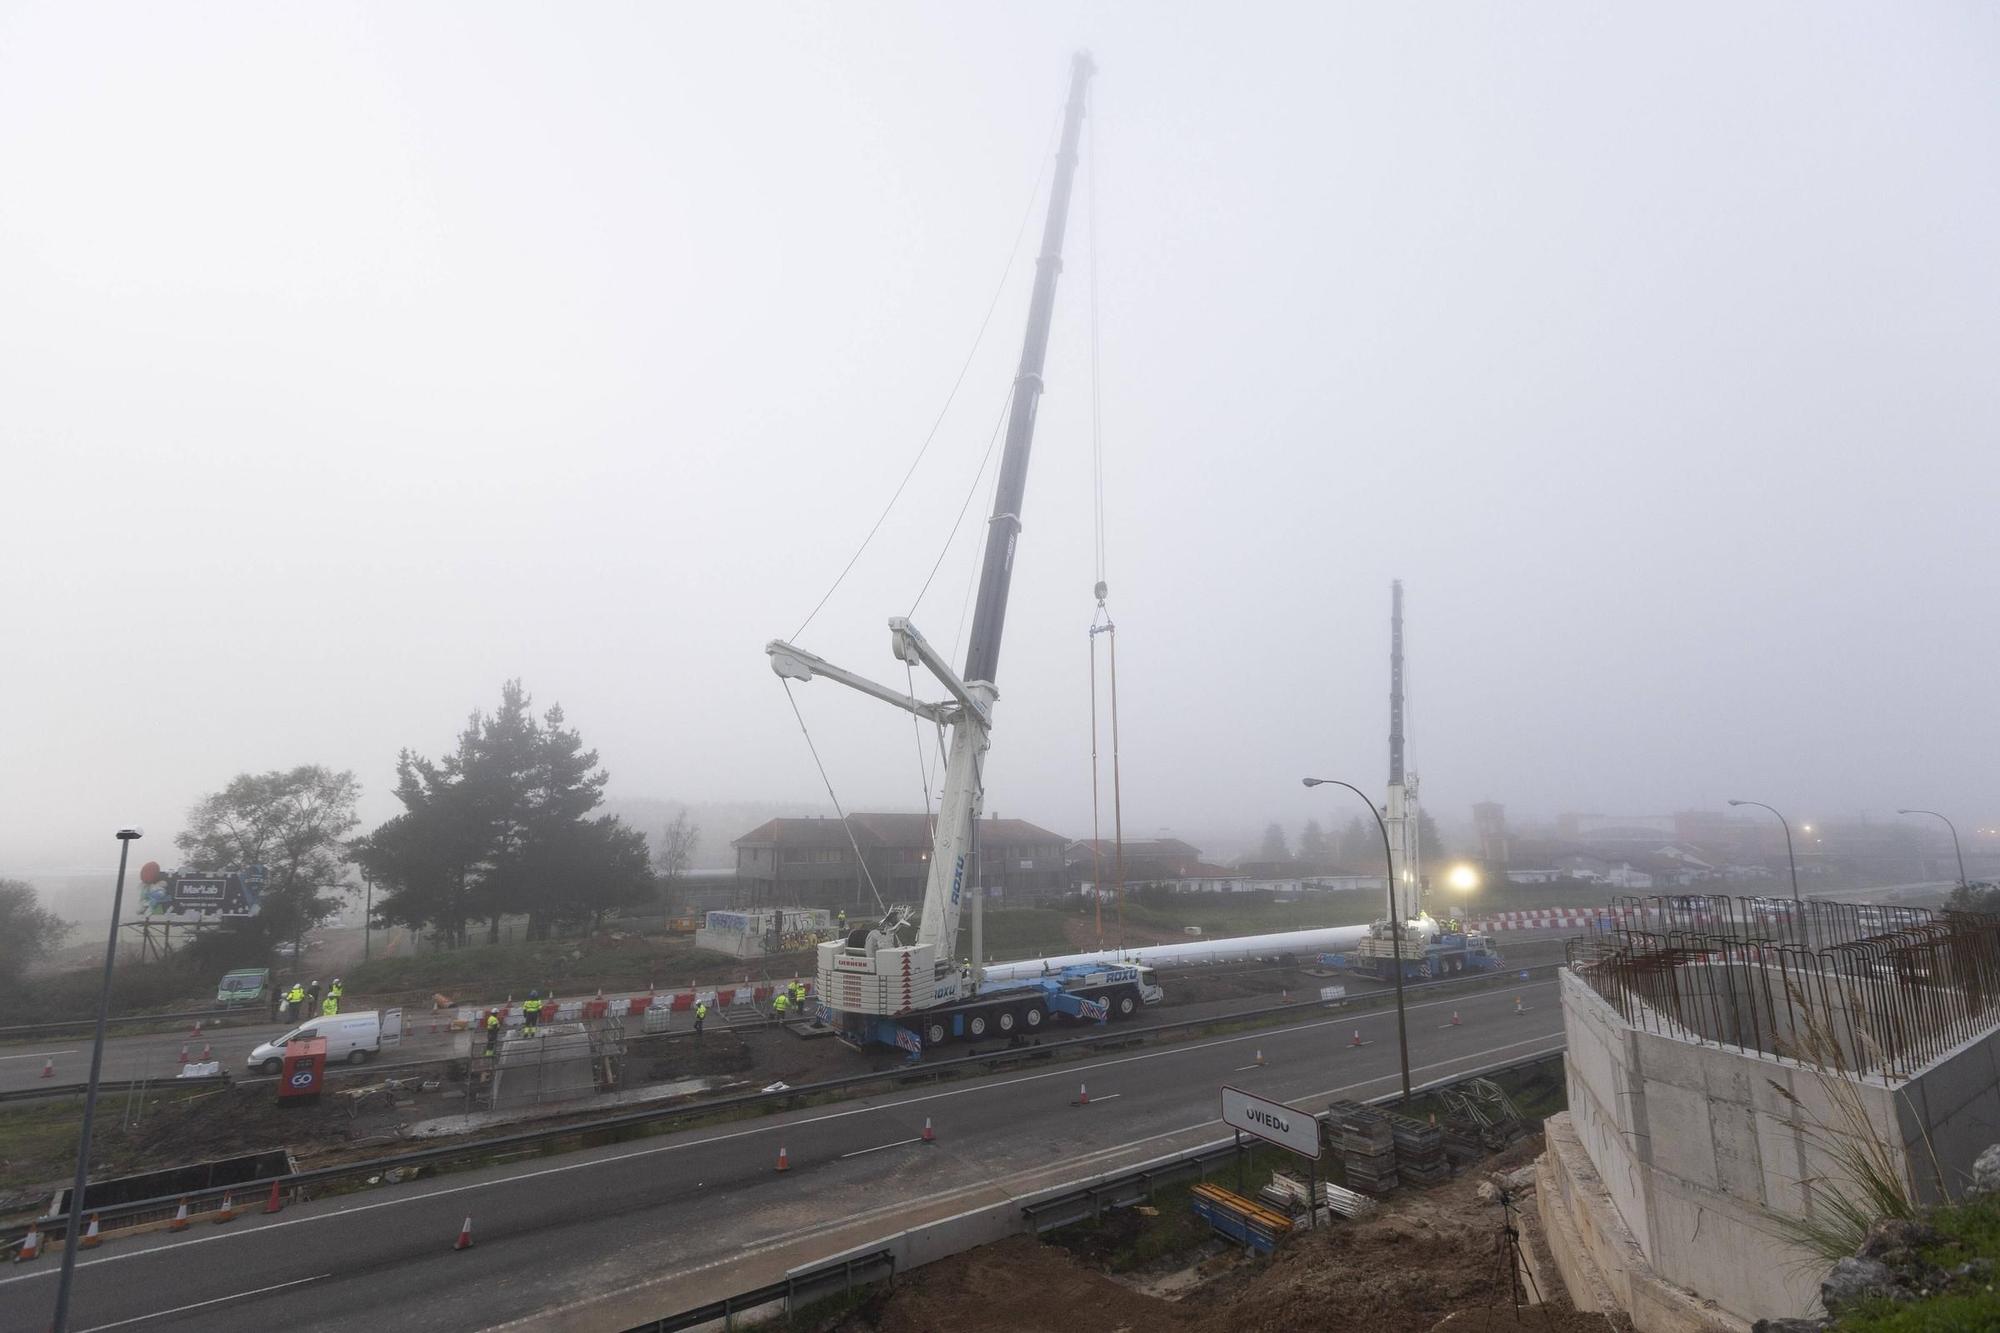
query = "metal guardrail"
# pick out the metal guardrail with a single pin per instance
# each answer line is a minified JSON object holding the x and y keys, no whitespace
{"x":810,"y":1283}
{"x":28,"y":1031}
{"x":647,"y":1116}
{"x":115,"y":1085}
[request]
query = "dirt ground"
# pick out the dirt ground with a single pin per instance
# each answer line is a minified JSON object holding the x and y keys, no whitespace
{"x":1428,"y":1262}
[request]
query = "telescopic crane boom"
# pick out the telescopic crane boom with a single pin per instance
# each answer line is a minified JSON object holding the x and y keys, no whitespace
{"x":902,"y":965}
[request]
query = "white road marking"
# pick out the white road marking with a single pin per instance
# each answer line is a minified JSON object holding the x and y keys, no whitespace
{"x":1102,"y":1097}
{"x":1069,"y":1071}
{"x":37,"y":1055}
{"x":183,"y":1309}
{"x":880,"y":1146}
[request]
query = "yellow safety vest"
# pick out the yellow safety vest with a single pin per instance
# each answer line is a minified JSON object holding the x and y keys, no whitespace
{"x":296,"y":994}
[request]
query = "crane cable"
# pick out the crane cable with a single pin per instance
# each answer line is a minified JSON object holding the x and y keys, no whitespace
{"x":846,"y":827}
{"x":1101,"y":622}
{"x":978,"y":338}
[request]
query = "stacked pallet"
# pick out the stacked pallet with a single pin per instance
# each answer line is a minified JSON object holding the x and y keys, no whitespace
{"x":1367,"y":1146}
{"x":1420,"y":1155}
{"x":1288,"y":1191}
{"x":1461,"y":1140}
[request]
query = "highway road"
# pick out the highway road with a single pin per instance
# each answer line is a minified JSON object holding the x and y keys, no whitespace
{"x":614,"y":1236}
{"x":157,"y":1055}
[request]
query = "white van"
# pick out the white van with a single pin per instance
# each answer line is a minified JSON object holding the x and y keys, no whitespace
{"x":354,"y":1038}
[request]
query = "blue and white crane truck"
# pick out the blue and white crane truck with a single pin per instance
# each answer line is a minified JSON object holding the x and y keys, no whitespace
{"x":897,"y":982}
{"x":1429,"y":952}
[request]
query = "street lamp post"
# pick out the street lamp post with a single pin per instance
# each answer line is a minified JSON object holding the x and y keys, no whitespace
{"x":1395,"y":924}
{"x":1790,"y":859}
{"x":71,"y":1230}
{"x":1954,"y":839}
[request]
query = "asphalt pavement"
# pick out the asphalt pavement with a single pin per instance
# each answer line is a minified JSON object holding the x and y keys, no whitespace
{"x":614,"y":1236}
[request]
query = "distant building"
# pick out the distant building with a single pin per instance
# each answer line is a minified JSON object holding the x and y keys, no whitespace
{"x":812,"y":862}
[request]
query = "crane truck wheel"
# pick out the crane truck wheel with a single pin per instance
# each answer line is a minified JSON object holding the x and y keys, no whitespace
{"x":1032,"y":1016}
{"x":1006,"y":1020}
{"x":1128,"y":1003}
{"x":976,"y":1025}
{"x":934,"y":1034}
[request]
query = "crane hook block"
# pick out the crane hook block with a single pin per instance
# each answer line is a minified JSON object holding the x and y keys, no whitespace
{"x":1101,"y":590}
{"x":789,"y":665}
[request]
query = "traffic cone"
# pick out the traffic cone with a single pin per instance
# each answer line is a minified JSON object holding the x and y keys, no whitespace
{"x":1260,"y":1057}
{"x":49,"y":1067}
{"x":1357,"y":1039}
{"x":1082,"y":1095}
{"x":180,"y":1222}
{"x":784,"y":1164}
{"x":464,"y":1236}
{"x":195,"y":1031}
{"x":207,"y":1052}
{"x":276,"y":1203}
{"x":31,"y":1245}
{"x":1285,"y":996}
{"x":91,"y":1240}
{"x":1519,"y":1008}
{"x":184,"y":1052}
{"x":1454,"y":1018}
{"x":928,"y":1136}
{"x":226,"y":1213}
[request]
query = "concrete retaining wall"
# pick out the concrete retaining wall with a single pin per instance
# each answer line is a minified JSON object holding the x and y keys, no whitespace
{"x":1702,"y":1149}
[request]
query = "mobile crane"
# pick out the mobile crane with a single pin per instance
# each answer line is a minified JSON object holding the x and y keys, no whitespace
{"x":895,"y":982}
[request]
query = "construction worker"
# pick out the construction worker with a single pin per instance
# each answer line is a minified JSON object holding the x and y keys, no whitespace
{"x":295,"y":1003}
{"x":799,"y":996}
{"x":840,"y":922}
{"x":492,"y":1030}
{"x":781,"y":1005}
{"x":333,"y":994}
{"x":700,"y":1015}
{"x":329,"y":1007}
{"x":531,"y":1014}
{"x":312,"y":997}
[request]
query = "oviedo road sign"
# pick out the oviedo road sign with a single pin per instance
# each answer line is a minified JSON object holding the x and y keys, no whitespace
{"x":1274,"y":1121}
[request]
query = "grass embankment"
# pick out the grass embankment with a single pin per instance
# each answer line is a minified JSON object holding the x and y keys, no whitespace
{"x":1967,"y":1233}
{"x":1226,"y":914}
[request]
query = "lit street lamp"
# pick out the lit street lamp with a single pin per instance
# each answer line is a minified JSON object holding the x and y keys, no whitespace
{"x":1395,"y":924}
{"x":74,"y":1212}
{"x":1790,"y":859}
{"x":1954,"y":839}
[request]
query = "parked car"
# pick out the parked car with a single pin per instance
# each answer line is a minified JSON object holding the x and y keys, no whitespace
{"x":245,"y":986}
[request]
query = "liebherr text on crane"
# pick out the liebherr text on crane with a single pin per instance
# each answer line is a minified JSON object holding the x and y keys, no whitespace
{"x":896,"y":982}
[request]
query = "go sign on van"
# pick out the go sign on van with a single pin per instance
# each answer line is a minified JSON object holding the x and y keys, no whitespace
{"x":1280,"y":1124}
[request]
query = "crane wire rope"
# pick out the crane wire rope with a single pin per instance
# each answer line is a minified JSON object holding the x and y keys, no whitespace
{"x":846,"y":827}
{"x":978,"y":339}
{"x":999,"y":421}
{"x":1101,"y":622}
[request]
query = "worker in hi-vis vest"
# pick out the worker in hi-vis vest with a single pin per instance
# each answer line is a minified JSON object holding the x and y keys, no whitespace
{"x":492,"y":1029}
{"x":700,"y":1015}
{"x":531,"y":1014}
{"x":780,"y":1005}
{"x":295,"y":1002}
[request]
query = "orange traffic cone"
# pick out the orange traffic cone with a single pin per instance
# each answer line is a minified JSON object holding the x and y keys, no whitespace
{"x":464,"y":1236}
{"x":1285,"y":996}
{"x":784,"y":1164}
{"x":1519,"y":1008}
{"x":180,"y":1222}
{"x":184,"y":1052}
{"x":195,"y":1031}
{"x":1357,"y":1039}
{"x":1260,"y":1056}
{"x":1454,"y":1018}
{"x":31,"y":1245}
{"x":928,"y":1136}
{"x":207,"y":1052}
{"x":276,"y":1203}
{"x":1082,"y":1095}
{"x":48,"y":1066}
{"x":91,"y":1240}
{"x":226,"y":1213}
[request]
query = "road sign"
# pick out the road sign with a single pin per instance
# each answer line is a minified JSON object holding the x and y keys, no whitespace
{"x":1274,"y":1121}
{"x":1333,"y":992}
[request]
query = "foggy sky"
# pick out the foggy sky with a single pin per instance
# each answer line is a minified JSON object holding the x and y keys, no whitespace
{"x":355,"y":359}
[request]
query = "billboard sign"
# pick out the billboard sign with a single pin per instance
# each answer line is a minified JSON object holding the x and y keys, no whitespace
{"x":189,"y":896}
{"x":1271,"y":1121}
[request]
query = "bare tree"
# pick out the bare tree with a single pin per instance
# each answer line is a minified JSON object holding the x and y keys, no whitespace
{"x":673,"y":851}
